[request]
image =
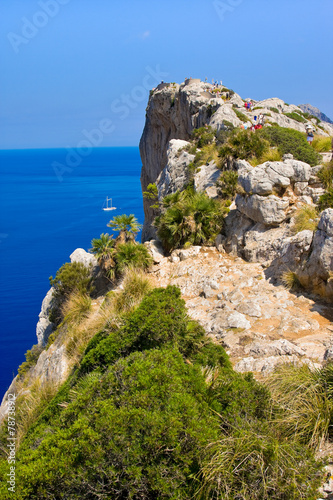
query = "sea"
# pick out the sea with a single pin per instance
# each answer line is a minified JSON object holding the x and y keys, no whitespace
{"x":51,"y":203}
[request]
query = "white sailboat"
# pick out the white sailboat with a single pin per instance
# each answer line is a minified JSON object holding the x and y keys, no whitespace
{"x":108,"y":207}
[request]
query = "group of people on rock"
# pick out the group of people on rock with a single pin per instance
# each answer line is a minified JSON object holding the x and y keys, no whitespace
{"x":248,"y":105}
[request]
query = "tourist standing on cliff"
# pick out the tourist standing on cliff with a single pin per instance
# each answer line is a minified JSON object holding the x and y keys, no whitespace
{"x":309,"y":131}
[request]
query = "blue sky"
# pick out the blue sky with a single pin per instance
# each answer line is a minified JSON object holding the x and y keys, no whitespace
{"x":76,"y":69}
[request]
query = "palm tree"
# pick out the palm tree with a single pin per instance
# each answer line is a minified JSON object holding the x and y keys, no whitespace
{"x":126,"y":225}
{"x":132,"y":255}
{"x":104,"y":249}
{"x":189,"y":218}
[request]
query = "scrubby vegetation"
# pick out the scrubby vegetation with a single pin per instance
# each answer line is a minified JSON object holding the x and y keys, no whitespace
{"x":295,"y":116}
{"x":325,"y":174}
{"x":154,"y":410}
{"x":305,"y":218}
{"x":189,"y":218}
{"x":322,"y":144}
{"x":71,"y":277}
{"x":240,"y":115}
{"x":243,"y":144}
{"x":290,"y":141}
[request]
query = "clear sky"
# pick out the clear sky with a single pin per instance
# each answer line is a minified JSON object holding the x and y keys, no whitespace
{"x":70,"y":67}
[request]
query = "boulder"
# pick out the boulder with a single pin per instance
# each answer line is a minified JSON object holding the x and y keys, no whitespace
{"x":85,"y":258}
{"x":156,"y":250}
{"x":205,"y":179}
{"x":269,"y":210}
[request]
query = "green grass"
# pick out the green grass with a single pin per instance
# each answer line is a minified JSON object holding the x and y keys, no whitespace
{"x":241,"y":115}
{"x":295,"y":116}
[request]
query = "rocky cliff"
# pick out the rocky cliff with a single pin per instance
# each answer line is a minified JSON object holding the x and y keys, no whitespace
{"x":174,"y":110}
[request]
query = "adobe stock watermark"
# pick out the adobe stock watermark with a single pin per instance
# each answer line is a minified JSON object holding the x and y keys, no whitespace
{"x":121,"y":107}
{"x":30,"y":27}
{"x":225,"y":7}
{"x":11,"y":445}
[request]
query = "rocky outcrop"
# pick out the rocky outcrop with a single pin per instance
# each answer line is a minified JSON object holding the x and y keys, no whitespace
{"x":173,"y":112}
{"x":45,"y":326}
{"x":260,"y":324}
{"x":175,"y":174}
{"x":310,"y":256}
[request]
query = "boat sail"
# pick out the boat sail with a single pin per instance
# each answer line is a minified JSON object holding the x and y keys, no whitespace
{"x":108,"y":206}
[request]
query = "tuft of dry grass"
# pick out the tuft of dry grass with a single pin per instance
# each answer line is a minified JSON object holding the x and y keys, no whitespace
{"x":31,"y":403}
{"x":322,"y":144}
{"x":110,"y":315}
{"x":76,"y":308}
{"x":271,"y":155}
{"x":305,"y":218}
{"x":303,"y":398}
{"x":290,"y":280}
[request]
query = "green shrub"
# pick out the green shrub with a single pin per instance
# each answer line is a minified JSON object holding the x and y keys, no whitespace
{"x":326,"y":200}
{"x":104,"y":249}
{"x":227,"y":184}
{"x":139,"y":431}
{"x":240,"y":115}
{"x":295,"y":116}
{"x":31,"y":358}
{"x":275,"y":110}
{"x":160,"y":319}
{"x":203,"y":136}
{"x":189,"y":218}
{"x":151,"y":193}
{"x":244,"y":144}
{"x":132,"y":255}
{"x":290,"y":141}
{"x":71,"y":277}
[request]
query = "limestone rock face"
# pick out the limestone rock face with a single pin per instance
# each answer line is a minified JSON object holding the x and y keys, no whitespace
{"x":44,"y":326}
{"x":173,"y":112}
{"x":175,"y":174}
{"x":269,"y":210}
{"x":205,"y":179}
{"x":85,"y":258}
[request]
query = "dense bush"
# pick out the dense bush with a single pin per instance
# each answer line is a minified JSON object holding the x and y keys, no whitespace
{"x":71,"y":277}
{"x":203,"y":136}
{"x":132,"y":255}
{"x":290,"y":141}
{"x":139,"y":432}
{"x":31,"y":358}
{"x":160,"y":319}
{"x":244,"y":144}
{"x":161,"y":414}
{"x":189,"y":218}
{"x":227,"y":184}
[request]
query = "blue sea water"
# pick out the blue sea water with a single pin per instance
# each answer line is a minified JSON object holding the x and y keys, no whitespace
{"x":44,"y":217}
